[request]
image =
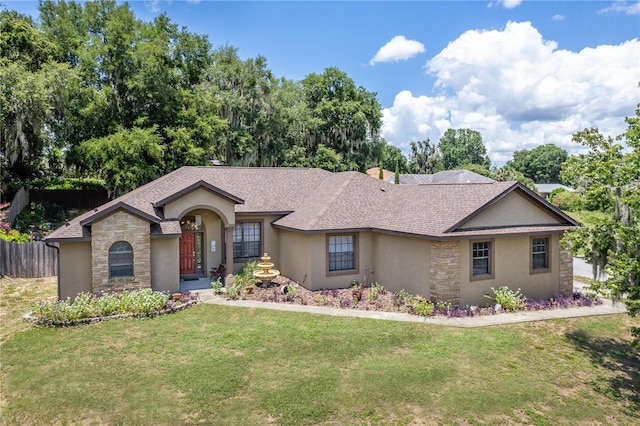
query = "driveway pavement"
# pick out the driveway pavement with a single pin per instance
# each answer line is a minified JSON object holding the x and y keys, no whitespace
{"x":584,"y":270}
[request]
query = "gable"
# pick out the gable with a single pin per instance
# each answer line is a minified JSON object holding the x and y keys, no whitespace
{"x":98,"y":214}
{"x":201,"y":198}
{"x":514,"y":209}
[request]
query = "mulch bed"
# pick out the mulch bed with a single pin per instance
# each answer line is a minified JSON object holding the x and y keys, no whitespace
{"x":389,"y":302}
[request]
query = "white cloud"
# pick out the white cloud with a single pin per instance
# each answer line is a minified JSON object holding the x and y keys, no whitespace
{"x":557,"y":18}
{"x":193,"y":1}
{"x":622,"y":7}
{"x":519,"y":91}
{"x":398,"y":49}
{"x":507,"y":4}
{"x":153,"y":5}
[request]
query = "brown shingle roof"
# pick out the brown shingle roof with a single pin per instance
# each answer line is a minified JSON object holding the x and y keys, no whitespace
{"x":313,"y":200}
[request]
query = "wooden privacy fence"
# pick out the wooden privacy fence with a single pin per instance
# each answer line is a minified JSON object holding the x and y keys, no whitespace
{"x":28,"y":260}
{"x":71,"y":199}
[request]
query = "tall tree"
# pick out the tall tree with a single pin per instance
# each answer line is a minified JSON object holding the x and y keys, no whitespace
{"x":463,"y":146}
{"x":33,"y":88}
{"x":390,"y":156}
{"x":21,"y":42}
{"x":134,"y":74}
{"x":125,"y":160}
{"x":611,"y":171}
{"x":542,"y":164}
{"x":243,"y":92}
{"x":345,"y":117}
{"x":424,"y":158}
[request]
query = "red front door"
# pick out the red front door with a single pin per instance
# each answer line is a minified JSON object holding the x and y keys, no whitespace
{"x":187,"y":254}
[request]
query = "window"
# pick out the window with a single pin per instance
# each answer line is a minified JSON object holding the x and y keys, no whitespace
{"x":539,"y":254}
{"x":342,"y":255}
{"x":481,"y":260}
{"x":246,"y":240}
{"x":120,"y":260}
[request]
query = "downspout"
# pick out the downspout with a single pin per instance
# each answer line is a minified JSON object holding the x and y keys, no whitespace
{"x":58,"y":261}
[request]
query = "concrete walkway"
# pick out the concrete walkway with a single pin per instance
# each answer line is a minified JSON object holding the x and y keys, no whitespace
{"x":607,"y":308}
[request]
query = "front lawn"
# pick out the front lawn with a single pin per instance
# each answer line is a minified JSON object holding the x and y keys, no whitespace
{"x":215,"y":364}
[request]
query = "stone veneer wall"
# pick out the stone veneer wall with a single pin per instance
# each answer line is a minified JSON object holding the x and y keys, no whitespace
{"x":566,"y":273}
{"x":444,"y":267}
{"x":120,"y":226}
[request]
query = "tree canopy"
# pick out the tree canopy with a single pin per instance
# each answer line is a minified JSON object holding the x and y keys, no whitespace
{"x":459,"y":147}
{"x":92,"y":75}
{"x":424,"y":158}
{"x":609,"y":176}
{"x":542,"y":164}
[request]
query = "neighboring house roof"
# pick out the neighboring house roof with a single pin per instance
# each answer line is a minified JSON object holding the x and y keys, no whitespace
{"x":547,"y":188}
{"x":314,"y":200}
{"x":444,"y":177}
{"x":374,"y":172}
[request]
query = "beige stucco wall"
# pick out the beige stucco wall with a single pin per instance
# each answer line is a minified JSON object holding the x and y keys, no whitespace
{"x":514,"y":209}
{"x":402,"y":263}
{"x":294,"y":256}
{"x":304,"y":259}
{"x":75,"y":269}
{"x":511,"y":268}
{"x":165,"y":265}
{"x":201,"y":198}
{"x":120,"y":226}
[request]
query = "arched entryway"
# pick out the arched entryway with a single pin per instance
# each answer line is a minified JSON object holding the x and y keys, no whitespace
{"x":202,"y":245}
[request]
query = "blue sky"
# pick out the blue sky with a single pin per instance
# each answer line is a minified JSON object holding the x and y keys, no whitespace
{"x":523,"y":73}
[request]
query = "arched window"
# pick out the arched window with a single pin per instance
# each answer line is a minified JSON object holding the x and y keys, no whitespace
{"x":120,"y":260}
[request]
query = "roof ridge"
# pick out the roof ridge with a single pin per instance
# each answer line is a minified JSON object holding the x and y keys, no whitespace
{"x":334,"y":196}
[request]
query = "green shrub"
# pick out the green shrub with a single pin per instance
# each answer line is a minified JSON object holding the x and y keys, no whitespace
{"x":69,"y":183}
{"x":422,"y":306}
{"x":566,"y":200}
{"x":14,"y":236}
{"x":217,"y":286}
{"x":403,"y":297}
{"x":245,"y":276}
{"x":232,"y":292}
{"x":140,"y":302}
{"x":509,"y":300}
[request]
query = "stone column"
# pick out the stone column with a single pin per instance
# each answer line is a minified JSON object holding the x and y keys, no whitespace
{"x":566,"y":273}
{"x":444,"y":274}
{"x":228,"y":232}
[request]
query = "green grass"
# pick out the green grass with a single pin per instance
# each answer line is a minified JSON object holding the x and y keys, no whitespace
{"x":223,"y":365}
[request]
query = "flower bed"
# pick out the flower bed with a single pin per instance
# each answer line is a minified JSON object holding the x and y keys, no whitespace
{"x":376,"y":298}
{"x":87,"y":309}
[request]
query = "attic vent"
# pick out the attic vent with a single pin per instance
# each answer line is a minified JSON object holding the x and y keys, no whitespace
{"x":383,"y":190}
